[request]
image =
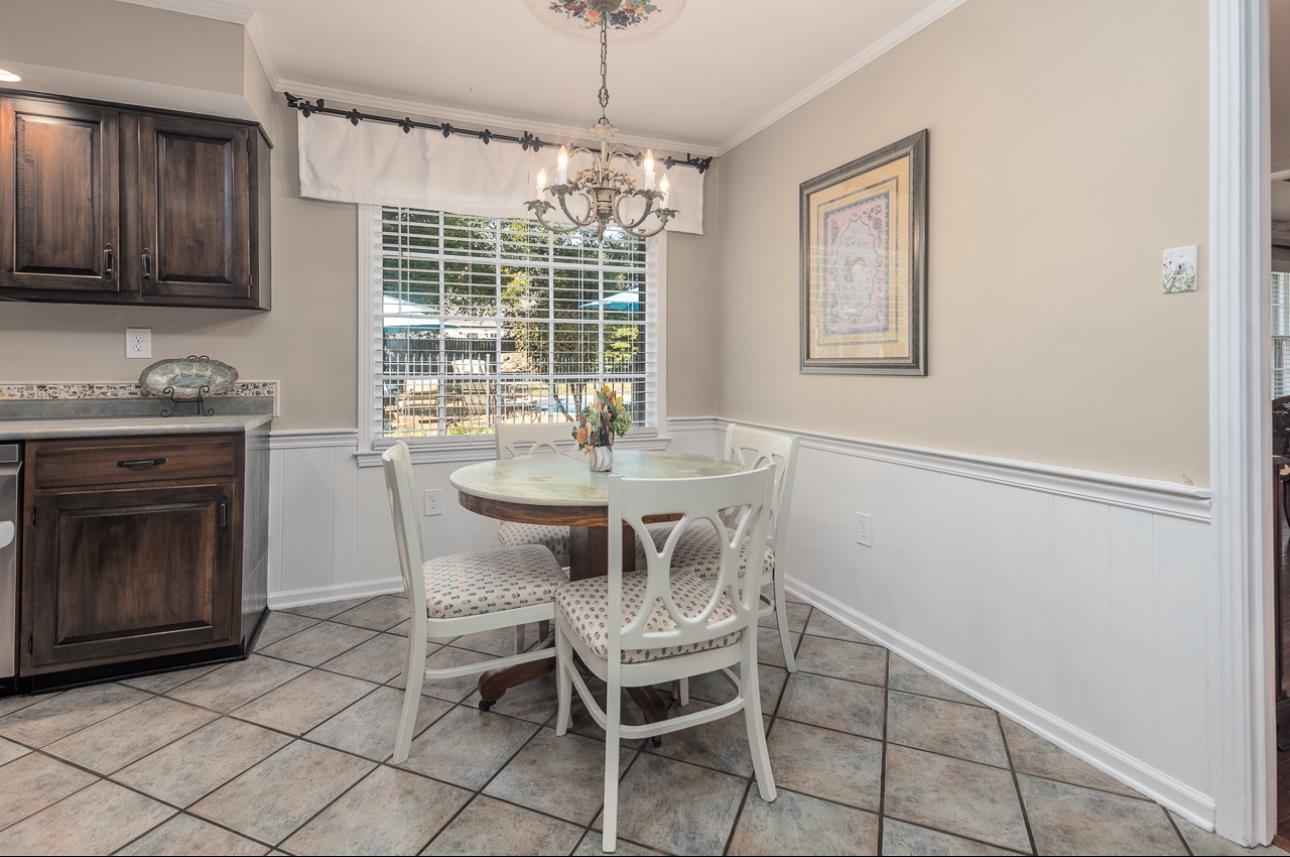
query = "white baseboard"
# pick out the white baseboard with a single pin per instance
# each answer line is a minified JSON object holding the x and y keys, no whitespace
{"x":1177,"y":796}
{"x":334,"y":592}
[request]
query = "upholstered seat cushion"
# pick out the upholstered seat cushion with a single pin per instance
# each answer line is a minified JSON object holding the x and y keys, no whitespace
{"x":698,"y":551}
{"x":488,"y":581}
{"x":554,"y":539}
{"x":584,"y":605}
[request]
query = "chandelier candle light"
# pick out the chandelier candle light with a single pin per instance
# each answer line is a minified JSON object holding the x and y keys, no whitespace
{"x":604,"y":186}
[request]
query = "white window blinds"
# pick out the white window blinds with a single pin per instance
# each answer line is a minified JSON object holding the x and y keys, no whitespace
{"x":476,"y":319}
{"x":1280,"y":316}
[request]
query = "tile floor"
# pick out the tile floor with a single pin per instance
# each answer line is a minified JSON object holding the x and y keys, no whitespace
{"x":286,"y":753}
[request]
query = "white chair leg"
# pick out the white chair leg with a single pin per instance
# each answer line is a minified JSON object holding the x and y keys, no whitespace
{"x":519,"y":639}
{"x":781,"y":620}
{"x":613,"y":713}
{"x":414,"y":675}
{"x":563,"y":683}
{"x":752,"y":717}
{"x":683,"y":691}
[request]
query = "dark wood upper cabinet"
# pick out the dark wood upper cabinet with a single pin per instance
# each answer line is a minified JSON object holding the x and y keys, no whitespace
{"x":108,"y":204}
{"x":59,"y":203}
{"x":194,"y":187}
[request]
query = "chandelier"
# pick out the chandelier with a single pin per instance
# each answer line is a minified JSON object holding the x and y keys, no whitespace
{"x":604,"y":186}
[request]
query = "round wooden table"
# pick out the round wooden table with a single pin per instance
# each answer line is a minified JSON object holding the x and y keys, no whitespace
{"x":561,"y":490}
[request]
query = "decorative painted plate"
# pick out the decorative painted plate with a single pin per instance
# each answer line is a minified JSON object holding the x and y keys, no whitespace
{"x":188,"y":378}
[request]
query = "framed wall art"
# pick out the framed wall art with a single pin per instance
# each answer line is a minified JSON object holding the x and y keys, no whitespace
{"x":864,"y":264}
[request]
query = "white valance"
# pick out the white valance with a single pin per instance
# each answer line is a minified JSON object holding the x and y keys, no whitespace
{"x":378,"y":164}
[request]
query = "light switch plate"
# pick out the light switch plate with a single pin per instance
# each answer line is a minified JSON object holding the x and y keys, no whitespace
{"x":138,"y":343}
{"x":1178,"y":270}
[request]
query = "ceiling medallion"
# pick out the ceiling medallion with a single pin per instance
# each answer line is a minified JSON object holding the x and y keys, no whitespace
{"x":604,"y":186}
{"x":629,"y":20}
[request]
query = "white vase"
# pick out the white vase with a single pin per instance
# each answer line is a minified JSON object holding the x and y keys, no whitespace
{"x":601,"y":459}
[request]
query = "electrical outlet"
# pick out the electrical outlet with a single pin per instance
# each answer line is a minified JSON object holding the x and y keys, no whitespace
{"x":433,"y":501}
{"x":138,"y":342}
{"x":864,"y":529}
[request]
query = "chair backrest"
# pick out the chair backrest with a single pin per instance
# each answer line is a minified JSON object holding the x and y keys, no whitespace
{"x":753,"y":447}
{"x":516,"y":440}
{"x":712,"y":501}
{"x":397,"y":462}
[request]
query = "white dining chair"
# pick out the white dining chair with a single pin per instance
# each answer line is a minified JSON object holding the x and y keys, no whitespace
{"x":460,"y":594}
{"x":660,"y":625}
{"x":515,"y":440}
{"x":698,"y":550}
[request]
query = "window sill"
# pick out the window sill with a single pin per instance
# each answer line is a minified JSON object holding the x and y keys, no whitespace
{"x":466,"y":450}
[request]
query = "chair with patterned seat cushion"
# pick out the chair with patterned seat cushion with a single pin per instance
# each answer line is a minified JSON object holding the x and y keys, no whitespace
{"x":460,"y":594}
{"x":663,"y":625}
{"x":698,"y":550}
{"x":516,"y":440}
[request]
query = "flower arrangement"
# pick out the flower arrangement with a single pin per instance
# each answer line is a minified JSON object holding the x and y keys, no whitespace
{"x":605,"y":418}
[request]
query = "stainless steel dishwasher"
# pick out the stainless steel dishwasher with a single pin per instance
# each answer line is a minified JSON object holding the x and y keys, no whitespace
{"x":10,"y":466}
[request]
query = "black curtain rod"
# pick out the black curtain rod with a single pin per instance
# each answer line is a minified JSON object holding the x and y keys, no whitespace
{"x":526,"y":140}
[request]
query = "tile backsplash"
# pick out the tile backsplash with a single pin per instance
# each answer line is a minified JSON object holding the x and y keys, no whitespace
{"x":116,"y":390}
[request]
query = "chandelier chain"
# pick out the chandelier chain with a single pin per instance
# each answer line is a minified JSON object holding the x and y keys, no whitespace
{"x":604,"y":69}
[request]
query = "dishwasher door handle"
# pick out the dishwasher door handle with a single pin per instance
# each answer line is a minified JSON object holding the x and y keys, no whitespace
{"x":7,"y":533}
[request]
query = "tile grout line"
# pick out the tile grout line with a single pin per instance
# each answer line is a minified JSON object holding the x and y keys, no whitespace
{"x":1174,"y":824}
{"x":882,"y":769}
{"x":1016,"y":783}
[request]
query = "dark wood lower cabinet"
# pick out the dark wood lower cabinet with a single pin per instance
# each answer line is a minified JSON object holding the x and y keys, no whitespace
{"x":117,"y":570}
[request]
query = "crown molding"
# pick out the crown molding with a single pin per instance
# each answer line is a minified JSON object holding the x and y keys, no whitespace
{"x":495,"y":121}
{"x":260,"y":43}
{"x":221,"y":10}
{"x":912,"y":25}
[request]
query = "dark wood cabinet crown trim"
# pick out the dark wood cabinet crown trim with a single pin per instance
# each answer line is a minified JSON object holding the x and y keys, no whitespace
{"x":109,"y":203}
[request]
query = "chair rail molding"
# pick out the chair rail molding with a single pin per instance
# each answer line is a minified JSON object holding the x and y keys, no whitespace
{"x":1240,"y":671}
{"x":1174,"y":499}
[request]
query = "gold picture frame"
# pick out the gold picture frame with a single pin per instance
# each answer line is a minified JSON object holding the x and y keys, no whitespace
{"x":864,"y":264}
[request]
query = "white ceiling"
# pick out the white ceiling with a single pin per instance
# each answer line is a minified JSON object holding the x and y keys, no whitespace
{"x":723,"y":70}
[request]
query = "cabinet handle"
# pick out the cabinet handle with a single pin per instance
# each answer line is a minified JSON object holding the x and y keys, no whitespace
{"x":140,"y":463}
{"x":147,"y":264}
{"x":223,"y":514}
{"x":107,"y":261}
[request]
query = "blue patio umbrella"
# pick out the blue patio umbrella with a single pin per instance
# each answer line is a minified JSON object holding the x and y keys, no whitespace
{"x":621,"y":302}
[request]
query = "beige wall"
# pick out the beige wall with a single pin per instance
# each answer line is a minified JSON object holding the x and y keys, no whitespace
{"x":308,"y":340}
{"x":1067,"y":149}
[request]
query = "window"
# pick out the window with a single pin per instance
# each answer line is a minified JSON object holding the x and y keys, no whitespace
{"x":1280,"y":315}
{"x":476,"y":319}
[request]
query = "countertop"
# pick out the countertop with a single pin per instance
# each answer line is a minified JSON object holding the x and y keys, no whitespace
{"x":63,"y":427}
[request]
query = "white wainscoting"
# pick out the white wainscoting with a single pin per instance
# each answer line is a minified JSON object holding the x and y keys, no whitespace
{"x":329,"y":524}
{"x":1073,"y":602}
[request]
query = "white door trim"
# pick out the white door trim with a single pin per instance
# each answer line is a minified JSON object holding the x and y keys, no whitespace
{"x":1241,"y":707}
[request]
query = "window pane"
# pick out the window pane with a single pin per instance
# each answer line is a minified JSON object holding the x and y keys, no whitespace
{"x":485,"y":319}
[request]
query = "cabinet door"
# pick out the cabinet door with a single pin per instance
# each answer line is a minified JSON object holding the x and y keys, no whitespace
{"x":59,"y":186}
{"x":194,"y":183}
{"x":115,"y":575}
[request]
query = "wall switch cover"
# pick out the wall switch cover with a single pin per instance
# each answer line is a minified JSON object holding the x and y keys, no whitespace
{"x":138,"y":343}
{"x":1178,"y":270}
